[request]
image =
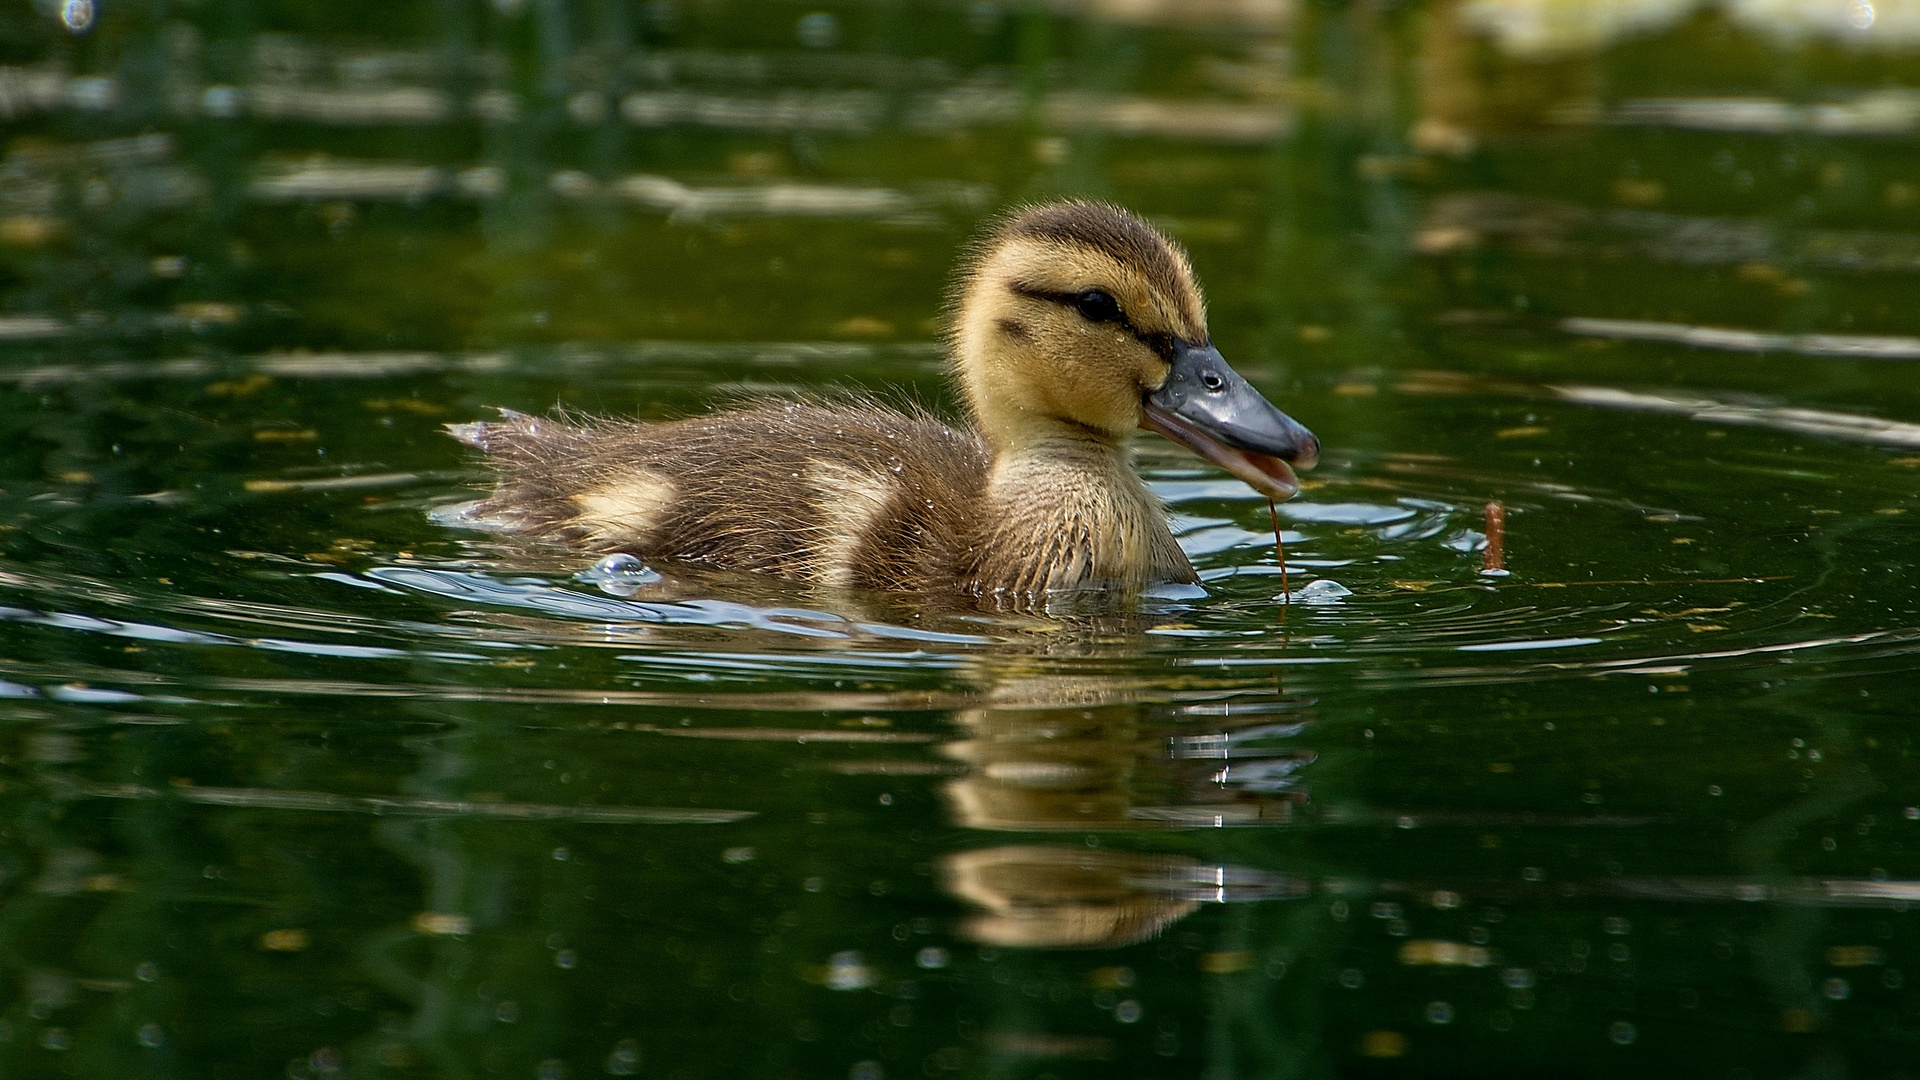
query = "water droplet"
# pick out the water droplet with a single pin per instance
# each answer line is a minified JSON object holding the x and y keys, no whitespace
{"x":77,"y":15}
{"x":846,"y":970}
{"x":1622,"y":1033}
{"x":1127,"y":1012}
{"x":932,"y":958}
{"x":1439,"y":1012}
{"x":150,"y":1035}
{"x":624,"y":1060}
{"x":819,"y":30}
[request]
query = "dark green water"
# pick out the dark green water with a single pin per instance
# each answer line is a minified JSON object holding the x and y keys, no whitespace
{"x":296,"y":782}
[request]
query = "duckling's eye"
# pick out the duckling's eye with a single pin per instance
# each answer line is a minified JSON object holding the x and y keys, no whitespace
{"x":1096,"y":306}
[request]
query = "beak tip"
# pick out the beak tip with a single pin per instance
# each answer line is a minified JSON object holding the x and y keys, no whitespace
{"x":1309,"y":455}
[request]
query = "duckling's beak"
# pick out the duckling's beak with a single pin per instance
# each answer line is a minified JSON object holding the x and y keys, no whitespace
{"x":1208,"y":408}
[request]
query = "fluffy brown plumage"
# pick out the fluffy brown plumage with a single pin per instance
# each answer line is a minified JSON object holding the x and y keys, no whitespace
{"x":1037,"y":494}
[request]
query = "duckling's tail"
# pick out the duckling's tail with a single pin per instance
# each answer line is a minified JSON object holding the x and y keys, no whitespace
{"x":480,"y":435}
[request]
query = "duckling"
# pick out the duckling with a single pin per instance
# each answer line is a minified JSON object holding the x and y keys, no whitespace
{"x":1072,"y":327}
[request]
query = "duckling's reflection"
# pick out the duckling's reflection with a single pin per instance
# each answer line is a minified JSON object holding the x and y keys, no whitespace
{"x":1048,"y":752}
{"x":1052,"y":752}
{"x":1060,"y":897}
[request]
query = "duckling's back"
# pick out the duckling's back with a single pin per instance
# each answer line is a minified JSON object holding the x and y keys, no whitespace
{"x":850,"y":495}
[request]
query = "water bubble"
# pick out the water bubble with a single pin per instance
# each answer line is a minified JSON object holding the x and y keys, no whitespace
{"x":1439,"y":1012}
{"x":734,"y":856}
{"x":619,"y":575}
{"x":55,"y":1039}
{"x":1622,"y":1033}
{"x":1837,"y":989}
{"x":150,"y":1035}
{"x":1516,"y":978}
{"x":551,"y":1069}
{"x":1127,"y":1012}
{"x":815,"y":884}
{"x":566,"y":959}
{"x":1616,"y":925}
{"x":866,"y":1070}
{"x":932,"y":958}
{"x":1319,"y":592}
{"x":1353,"y":978}
{"x":561,"y":854}
{"x":147,"y":971}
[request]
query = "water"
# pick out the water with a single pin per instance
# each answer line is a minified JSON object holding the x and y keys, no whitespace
{"x":301,"y":778}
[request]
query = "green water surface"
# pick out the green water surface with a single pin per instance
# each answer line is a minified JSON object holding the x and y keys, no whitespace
{"x":296,"y":780}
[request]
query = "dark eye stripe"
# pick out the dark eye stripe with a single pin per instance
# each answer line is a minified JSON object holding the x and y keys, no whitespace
{"x":1161,"y":344}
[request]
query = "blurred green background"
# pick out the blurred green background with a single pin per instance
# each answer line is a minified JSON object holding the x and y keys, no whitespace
{"x":296,"y":781}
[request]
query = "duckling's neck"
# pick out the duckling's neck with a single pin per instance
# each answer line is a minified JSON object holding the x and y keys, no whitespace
{"x":1065,"y":509}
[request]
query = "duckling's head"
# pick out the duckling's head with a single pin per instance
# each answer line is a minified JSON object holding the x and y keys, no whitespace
{"x":1078,"y":319}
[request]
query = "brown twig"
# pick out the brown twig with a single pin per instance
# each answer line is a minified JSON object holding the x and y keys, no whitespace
{"x":1280,"y":553}
{"x":1495,"y":556}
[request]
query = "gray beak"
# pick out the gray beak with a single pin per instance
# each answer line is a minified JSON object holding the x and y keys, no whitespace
{"x":1210,"y":409}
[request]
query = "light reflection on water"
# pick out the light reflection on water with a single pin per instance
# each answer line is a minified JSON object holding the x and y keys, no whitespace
{"x":296,"y":778}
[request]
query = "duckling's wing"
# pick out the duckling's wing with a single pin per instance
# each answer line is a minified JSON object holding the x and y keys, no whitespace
{"x":836,"y":493}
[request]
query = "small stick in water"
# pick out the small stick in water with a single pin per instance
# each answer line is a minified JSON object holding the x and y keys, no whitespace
{"x":1495,"y":556}
{"x":1280,"y":553}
